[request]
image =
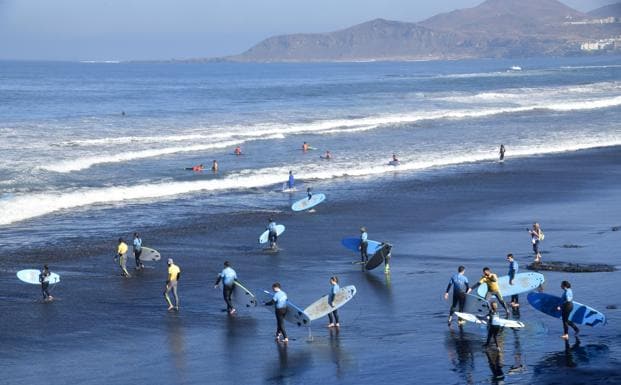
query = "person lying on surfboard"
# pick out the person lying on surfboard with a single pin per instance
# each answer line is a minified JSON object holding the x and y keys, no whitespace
{"x":198,"y":167}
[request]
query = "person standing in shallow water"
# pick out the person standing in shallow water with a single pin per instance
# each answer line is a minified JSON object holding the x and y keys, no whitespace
{"x":174,"y":273}
{"x":334,"y":315}
{"x":501,"y":152}
{"x":536,"y":236}
{"x":567,"y":305}
{"x":459,"y":283}
{"x":44,"y":278}
{"x":214,"y":166}
{"x":138,"y":251}
{"x":121,"y":254}
{"x":364,"y":237}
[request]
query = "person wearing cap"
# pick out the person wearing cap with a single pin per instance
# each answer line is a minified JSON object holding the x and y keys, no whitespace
{"x":273,"y":234}
{"x":44,"y":278}
{"x":279,"y":300}
{"x":363,"y":245}
{"x":174,"y":272}
{"x":228,"y":276}
{"x":121,"y":254}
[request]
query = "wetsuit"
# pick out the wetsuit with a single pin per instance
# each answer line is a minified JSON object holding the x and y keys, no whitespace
{"x":492,"y":329}
{"x":567,"y":306}
{"x":291,"y":181}
{"x":122,"y":254}
{"x":174,"y":272}
{"x":273,"y":234}
{"x":333,"y":316}
{"x":502,"y":152}
{"x":280,"y":301}
{"x":44,"y":278}
{"x":228,"y":277}
{"x":459,"y":282}
{"x":513,"y":270}
{"x":493,"y":290}
{"x":138,"y":252}
{"x":363,"y":247}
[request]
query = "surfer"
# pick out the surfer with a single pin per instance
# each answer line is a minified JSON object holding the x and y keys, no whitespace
{"x":174,"y":273}
{"x":273,"y":234}
{"x":309,"y":194}
{"x":394,"y":158}
{"x":566,"y":307}
{"x":198,"y":167}
{"x":328,"y":155}
{"x":138,"y":251}
{"x":237,"y":151}
{"x":513,"y":270}
{"x":536,"y":235}
{"x":44,"y":278}
{"x":228,"y":276}
{"x":333,"y":316}
{"x":121,"y":254}
{"x":363,"y":245}
{"x":280,"y":301}
{"x":492,"y":330}
{"x":460,"y":285}
{"x":214,"y":166}
{"x":491,"y":280}
{"x":502,"y":152}
{"x":305,"y":147}
{"x":291,"y":183}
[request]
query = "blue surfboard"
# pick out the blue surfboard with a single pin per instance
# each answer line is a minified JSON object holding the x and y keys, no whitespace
{"x":581,"y":314}
{"x":353,"y":243}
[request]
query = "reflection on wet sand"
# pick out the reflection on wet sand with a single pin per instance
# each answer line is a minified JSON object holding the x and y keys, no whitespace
{"x":175,"y":338}
{"x":459,"y":349}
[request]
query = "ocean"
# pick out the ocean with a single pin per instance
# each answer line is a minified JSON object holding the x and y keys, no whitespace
{"x":93,"y":151}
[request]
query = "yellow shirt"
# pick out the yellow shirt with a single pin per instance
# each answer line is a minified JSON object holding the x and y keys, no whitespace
{"x":122,"y":248}
{"x":491,"y":281}
{"x":173,"y":271}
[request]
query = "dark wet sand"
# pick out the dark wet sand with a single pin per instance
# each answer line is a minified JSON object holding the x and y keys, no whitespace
{"x":105,"y":329}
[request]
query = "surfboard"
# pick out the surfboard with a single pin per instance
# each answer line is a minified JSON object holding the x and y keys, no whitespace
{"x":352,"y":244}
{"x":242,"y":297}
{"x":305,"y":203}
{"x":581,"y":314}
{"x":31,"y":276}
{"x":378,"y":258}
{"x":471,"y":318}
{"x":149,"y":254}
{"x":325,"y":157}
{"x":263,"y":238}
{"x":295,"y":314}
{"x":394,"y":163}
{"x":320,"y":308}
{"x":286,"y":189}
{"x":482,"y":320}
{"x":522,"y":283}
{"x":476,"y":305}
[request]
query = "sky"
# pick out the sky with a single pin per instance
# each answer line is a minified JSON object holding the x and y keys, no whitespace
{"x":167,"y":29}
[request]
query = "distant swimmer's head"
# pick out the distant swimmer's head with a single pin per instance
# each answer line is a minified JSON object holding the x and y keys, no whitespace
{"x":227,"y":264}
{"x":276,"y":286}
{"x":170,"y":261}
{"x":461,"y":269}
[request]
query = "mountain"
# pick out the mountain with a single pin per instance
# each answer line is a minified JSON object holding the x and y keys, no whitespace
{"x":495,"y":28}
{"x":613,"y":10}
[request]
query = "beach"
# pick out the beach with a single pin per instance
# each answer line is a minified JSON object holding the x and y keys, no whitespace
{"x":104,"y":328}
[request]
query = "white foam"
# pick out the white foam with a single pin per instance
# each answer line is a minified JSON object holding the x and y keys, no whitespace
{"x":19,"y":207}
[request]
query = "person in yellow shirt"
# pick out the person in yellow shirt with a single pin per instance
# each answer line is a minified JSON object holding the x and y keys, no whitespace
{"x":121,"y":254}
{"x":174,"y":272}
{"x":491,"y":280}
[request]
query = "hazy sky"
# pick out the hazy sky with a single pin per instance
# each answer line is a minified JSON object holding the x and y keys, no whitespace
{"x":163,"y":29}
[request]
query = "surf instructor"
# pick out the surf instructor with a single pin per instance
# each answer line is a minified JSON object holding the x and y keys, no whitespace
{"x":228,"y":276}
{"x":459,"y":283}
{"x":279,"y":300}
{"x":491,"y":280}
{"x":174,"y":273}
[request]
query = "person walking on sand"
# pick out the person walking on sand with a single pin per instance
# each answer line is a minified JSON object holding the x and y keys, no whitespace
{"x":273,"y":233}
{"x":513,"y":270}
{"x":334,"y":315}
{"x":501,"y":152}
{"x":364,"y":237}
{"x":491,"y":280}
{"x":121,"y":254}
{"x":459,"y":283}
{"x":567,"y":305}
{"x":536,"y":236}
{"x":174,"y":273}
{"x":279,"y":300}
{"x":44,"y":279}
{"x":214,"y":166}
{"x":492,"y":329}
{"x":228,"y":276}
{"x":138,"y":251}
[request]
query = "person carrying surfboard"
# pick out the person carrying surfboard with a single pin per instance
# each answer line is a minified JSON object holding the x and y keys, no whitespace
{"x":565,"y":308}
{"x":291,"y":182}
{"x":334,"y":315}
{"x":138,"y":251}
{"x":273,"y":233}
{"x":364,"y":237}
{"x":279,"y":300}
{"x":460,"y":285}
{"x":44,"y":278}
{"x":228,"y":276}
{"x":536,"y":235}
{"x":121,"y":254}
{"x":491,"y":280}
{"x":513,"y":270}
{"x":492,"y":329}
{"x":174,"y":273}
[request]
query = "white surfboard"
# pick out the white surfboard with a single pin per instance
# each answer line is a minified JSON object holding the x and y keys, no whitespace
{"x":481,"y":320}
{"x":522,"y":283}
{"x":32,"y":276}
{"x":306,"y":204}
{"x":149,"y":254}
{"x":471,"y":318}
{"x":242,"y":297}
{"x":295,"y":314}
{"x":263,"y":238}
{"x":320,"y":308}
